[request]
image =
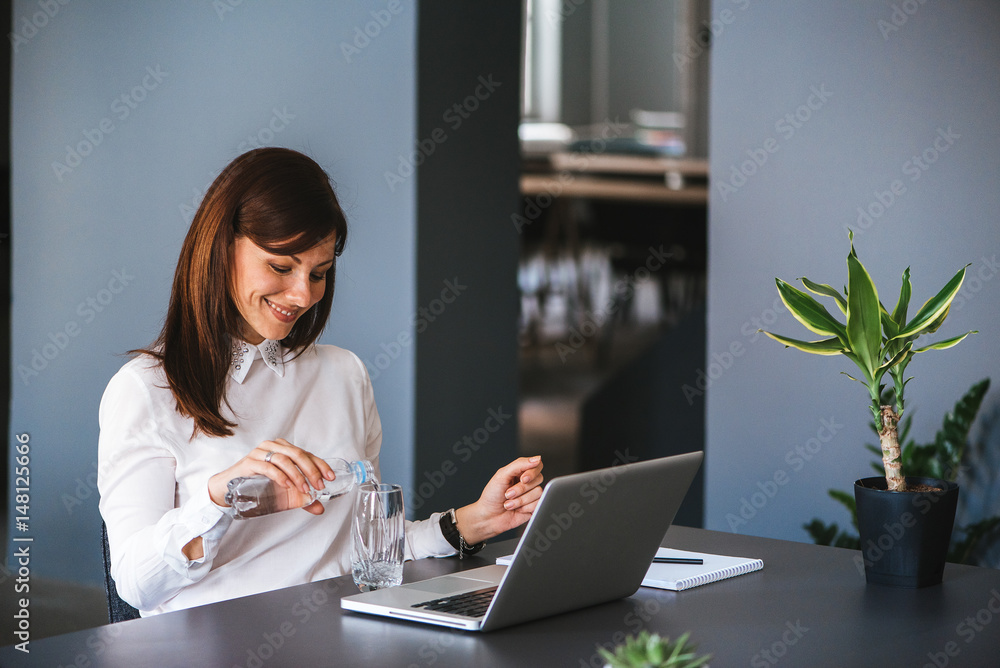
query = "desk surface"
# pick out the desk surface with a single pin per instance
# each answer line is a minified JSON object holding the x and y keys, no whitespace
{"x":810,"y":606}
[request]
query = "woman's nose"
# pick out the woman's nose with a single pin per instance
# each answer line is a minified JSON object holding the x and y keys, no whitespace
{"x":298,"y":292}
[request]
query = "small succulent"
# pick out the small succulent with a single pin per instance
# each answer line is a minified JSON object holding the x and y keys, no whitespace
{"x":649,"y":650}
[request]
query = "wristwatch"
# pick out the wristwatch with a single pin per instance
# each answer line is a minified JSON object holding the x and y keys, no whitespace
{"x":449,"y":527}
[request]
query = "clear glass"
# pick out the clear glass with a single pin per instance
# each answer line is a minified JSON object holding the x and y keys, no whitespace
{"x":378,"y":528}
{"x":253,"y":496}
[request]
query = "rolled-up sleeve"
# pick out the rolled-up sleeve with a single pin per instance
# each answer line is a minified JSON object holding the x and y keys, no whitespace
{"x":137,"y":483}
{"x":424,"y":539}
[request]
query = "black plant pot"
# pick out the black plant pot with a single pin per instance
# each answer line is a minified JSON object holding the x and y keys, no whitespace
{"x":905,"y":535}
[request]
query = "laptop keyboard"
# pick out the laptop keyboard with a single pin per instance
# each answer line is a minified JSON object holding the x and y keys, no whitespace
{"x":469,"y":604}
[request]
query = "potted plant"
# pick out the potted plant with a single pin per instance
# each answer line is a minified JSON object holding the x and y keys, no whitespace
{"x":904,"y":523}
{"x":649,"y":650}
{"x":943,"y":458}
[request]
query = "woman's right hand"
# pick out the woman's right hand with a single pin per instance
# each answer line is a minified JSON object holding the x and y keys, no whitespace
{"x":289,"y":466}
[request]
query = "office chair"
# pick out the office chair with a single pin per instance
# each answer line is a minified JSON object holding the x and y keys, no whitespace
{"x":118,"y":610}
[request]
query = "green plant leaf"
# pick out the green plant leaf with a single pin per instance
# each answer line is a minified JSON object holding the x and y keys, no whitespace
{"x":952,"y":438}
{"x":853,"y":378}
{"x":824,"y":347}
{"x":898,"y":357}
{"x":933,"y":307}
{"x":864,"y":327}
{"x":981,"y":531}
{"x":847,"y":500}
{"x":827,"y":291}
{"x":899,"y":313}
{"x":947,"y":343}
{"x":869,"y":378}
{"x":823,"y":534}
{"x":679,"y":647}
{"x":889,"y":325}
{"x":809,"y":312}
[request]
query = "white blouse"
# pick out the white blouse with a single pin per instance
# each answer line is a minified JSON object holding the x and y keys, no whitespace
{"x":153,"y":478}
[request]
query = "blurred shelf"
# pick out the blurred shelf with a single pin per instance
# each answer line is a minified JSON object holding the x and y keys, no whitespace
{"x":594,"y":187}
{"x":610,"y":163}
{"x":631,"y":178}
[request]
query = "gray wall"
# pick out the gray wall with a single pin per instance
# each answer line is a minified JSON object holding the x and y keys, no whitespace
{"x":273,"y":71}
{"x":891,"y":91}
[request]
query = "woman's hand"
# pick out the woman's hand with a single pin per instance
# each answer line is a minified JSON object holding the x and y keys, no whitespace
{"x":289,"y":466}
{"x":506,"y":503}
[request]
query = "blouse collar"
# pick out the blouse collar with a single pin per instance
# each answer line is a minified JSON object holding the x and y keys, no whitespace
{"x":244,"y":354}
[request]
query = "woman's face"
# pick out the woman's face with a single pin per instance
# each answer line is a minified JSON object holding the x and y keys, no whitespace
{"x":273,"y":291}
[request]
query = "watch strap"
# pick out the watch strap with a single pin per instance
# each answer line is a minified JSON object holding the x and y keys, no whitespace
{"x":449,"y":529}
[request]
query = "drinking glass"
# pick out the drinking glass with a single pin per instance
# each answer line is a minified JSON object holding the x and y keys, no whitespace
{"x":377,"y":556}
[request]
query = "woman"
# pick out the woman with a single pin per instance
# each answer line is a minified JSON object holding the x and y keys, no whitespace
{"x":236,"y":386}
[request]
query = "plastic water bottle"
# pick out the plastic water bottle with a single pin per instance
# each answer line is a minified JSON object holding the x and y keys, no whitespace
{"x":253,"y":496}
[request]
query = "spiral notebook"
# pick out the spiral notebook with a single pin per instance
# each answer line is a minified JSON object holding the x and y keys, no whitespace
{"x":678,"y":577}
{"x":685,"y":576}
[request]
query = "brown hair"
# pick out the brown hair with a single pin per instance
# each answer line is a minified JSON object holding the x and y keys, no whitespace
{"x":282,"y":201}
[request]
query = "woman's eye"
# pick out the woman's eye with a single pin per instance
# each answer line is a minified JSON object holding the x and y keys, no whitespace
{"x":280,"y":270}
{"x":317,"y":277}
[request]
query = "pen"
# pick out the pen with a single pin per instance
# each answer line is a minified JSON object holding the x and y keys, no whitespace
{"x":676,"y":560}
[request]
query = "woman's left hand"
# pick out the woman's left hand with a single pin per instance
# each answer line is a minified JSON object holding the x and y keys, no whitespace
{"x":506,"y":503}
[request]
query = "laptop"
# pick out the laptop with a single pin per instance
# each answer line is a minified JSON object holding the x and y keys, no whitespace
{"x":590,"y":540}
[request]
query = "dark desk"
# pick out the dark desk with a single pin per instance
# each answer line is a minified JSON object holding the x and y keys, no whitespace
{"x":810,"y":606}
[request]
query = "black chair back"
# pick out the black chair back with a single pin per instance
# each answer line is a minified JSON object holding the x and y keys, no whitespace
{"x":118,"y":610}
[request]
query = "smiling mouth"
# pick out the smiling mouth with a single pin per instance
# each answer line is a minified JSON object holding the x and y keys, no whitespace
{"x":282,"y":314}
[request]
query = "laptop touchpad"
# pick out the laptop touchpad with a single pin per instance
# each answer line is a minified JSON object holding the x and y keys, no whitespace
{"x":449,"y":584}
